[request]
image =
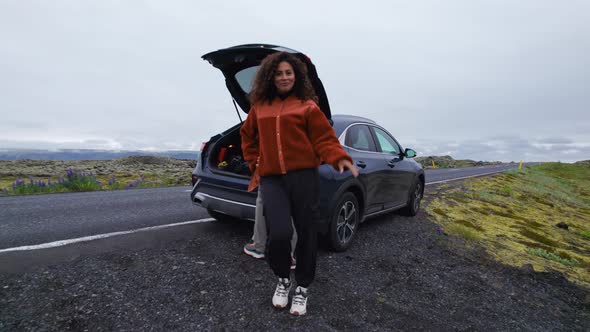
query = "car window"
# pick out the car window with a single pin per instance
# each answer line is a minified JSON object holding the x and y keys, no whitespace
{"x":386,"y":142}
{"x":245,"y":78}
{"x":359,"y":137}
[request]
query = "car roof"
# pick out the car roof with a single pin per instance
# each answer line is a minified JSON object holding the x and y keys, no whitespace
{"x":341,"y":121}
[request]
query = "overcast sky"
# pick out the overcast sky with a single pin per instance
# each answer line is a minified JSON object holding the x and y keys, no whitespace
{"x":484,"y":80}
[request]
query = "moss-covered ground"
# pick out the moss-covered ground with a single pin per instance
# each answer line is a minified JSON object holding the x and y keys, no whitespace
{"x":539,"y":216}
{"x":157,"y":171}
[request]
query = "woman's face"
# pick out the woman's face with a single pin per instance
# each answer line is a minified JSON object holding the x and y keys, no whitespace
{"x":284,"y":77}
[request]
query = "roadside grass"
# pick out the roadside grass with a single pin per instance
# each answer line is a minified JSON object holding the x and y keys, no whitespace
{"x":74,"y":181}
{"x":584,"y":234}
{"x":551,"y":256}
{"x":464,"y":231}
{"x":25,"y":177}
{"x":450,"y":162}
{"x":515,"y":215}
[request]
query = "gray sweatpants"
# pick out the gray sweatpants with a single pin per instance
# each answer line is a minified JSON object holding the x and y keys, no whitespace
{"x":259,"y":234}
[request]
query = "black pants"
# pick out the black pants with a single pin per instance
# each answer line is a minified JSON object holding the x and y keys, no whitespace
{"x":295,"y":194}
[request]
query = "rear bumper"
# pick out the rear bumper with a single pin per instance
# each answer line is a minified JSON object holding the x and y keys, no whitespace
{"x":226,"y":206}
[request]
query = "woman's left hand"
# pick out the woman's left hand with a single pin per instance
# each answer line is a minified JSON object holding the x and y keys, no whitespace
{"x":345,"y":163}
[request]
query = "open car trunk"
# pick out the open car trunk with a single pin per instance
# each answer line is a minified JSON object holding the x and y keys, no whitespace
{"x":226,"y":155}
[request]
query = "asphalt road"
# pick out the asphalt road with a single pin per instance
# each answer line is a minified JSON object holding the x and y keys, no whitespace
{"x":36,"y":219}
{"x":401,"y":274}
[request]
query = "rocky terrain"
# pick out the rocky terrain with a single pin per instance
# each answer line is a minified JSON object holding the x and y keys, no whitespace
{"x":401,"y":274}
{"x":449,"y":162}
{"x":168,"y":171}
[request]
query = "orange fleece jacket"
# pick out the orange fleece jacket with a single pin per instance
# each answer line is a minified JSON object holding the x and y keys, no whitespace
{"x":289,"y":135}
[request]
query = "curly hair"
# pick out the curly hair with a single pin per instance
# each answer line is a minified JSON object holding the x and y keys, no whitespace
{"x":263,"y":86}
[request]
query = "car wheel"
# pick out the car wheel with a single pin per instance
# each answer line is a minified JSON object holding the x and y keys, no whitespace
{"x":344,"y":223}
{"x":221,"y":216}
{"x":414,"y":198}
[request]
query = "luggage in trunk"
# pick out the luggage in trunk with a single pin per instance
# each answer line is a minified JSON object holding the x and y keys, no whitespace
{"x":227,"y":155}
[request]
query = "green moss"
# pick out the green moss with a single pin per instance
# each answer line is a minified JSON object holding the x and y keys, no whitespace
{"x":155,"y":170}
{"x":528,"y":223}
{"x":538,"y":237}
{"x":510,"y":177}
{"x":551,"y":256}
{"x":539,"y":198}
{"x":469,"y":224}
{"x":441,"y":212}
{"x":536,"y":245}
{"x":543,"y":201}
{"x":534,"y":224}
{"x":509,"y":215}
{"x":585,"y":234}
{"x":480,"y":210}
{"x":459,"y":198}
{"x":505,"y":191}
{"x":464,"y":232}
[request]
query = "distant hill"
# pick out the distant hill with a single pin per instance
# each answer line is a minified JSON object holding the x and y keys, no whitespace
{"x":88,"y":154}
{"x":449,"y":162}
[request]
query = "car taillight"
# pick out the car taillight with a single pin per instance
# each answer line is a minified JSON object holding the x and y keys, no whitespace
{"x":204,"y":146}
{"x":194,"y":179}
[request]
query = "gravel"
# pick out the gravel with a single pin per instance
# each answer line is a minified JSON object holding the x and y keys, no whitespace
{"x":400,"y":274}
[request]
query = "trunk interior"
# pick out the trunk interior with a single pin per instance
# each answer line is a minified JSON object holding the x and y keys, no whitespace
{"x":227,"y":156}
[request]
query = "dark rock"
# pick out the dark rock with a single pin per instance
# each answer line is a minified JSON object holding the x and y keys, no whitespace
{"x":527,"y":268}
{"x":562,"y":225}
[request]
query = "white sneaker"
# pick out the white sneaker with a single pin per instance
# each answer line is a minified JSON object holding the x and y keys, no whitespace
{"x":281,"y":297}
{"x":299,"y":303}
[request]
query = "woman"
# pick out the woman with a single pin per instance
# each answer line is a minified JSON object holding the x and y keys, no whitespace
{"x":283,"y":140}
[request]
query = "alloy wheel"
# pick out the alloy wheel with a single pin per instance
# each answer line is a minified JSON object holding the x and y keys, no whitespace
{"x":417,"y":196}
{"x":347,"y":221}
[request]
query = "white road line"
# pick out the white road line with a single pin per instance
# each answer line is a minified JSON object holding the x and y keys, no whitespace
{"x":100,"y":236}
{"x":107,"y":235}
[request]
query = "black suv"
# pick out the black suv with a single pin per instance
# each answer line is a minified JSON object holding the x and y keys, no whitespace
{"x":389,"y":178}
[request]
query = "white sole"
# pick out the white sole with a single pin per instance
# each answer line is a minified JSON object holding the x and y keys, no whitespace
{"x":253,"y":255}
{"x":297,"y":313}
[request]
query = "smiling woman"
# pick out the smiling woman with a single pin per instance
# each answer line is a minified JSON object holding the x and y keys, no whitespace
{"x":283,"y":139}
{"x":284,"y":78}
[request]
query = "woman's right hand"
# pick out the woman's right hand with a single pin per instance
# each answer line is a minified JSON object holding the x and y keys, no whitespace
{"x":345,"y":163}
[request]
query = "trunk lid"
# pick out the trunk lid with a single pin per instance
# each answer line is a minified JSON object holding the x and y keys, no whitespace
{"x":239,"y":64}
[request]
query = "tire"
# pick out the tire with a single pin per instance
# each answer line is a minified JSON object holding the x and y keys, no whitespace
{"x":344,"y":222}
{"x":414,"y":199}
{"x":221,"y":217}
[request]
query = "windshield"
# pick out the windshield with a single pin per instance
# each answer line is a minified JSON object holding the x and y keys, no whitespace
{"x":245,"y":78}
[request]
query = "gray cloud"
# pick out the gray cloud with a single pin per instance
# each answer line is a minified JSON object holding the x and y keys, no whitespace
{"x":493,"y":80}
{"x":555,"y":140}
{"x":505,"y":149}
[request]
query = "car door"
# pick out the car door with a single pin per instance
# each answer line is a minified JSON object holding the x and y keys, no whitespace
{"x":362,"y":148}
{"x":395,"y":191}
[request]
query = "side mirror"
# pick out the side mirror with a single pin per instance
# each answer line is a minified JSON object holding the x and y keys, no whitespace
{"x":410,"y":153}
